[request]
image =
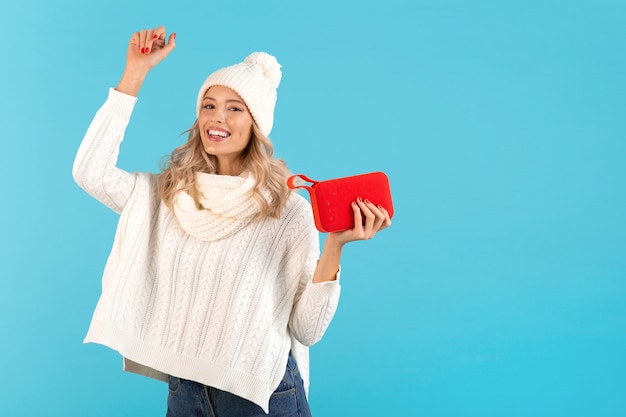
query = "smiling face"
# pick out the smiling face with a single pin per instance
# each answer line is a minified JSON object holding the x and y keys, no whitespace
{"x":225,"y":127}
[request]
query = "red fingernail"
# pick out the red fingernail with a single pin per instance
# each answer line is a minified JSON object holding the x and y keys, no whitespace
{"x":143,"y":50}
{"x":147,"y":50}
{"x":155,"y":36}
{"x":174,"y":35}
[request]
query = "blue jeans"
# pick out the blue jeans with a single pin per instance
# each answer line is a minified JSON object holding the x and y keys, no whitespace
{"x":192,"y":399}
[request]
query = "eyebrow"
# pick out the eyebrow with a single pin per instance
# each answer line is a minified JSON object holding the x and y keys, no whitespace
{"x":232,"y":100}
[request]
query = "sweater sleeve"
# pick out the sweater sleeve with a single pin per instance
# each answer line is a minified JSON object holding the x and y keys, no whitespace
{"x":314,"y":311}
{"x":315,"y":303}
{"x":95,"y":169}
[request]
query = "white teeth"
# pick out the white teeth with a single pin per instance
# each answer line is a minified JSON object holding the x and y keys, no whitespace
{"x":217,"y":133}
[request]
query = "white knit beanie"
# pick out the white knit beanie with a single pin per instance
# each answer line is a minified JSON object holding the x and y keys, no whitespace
{"x":255,"y":80}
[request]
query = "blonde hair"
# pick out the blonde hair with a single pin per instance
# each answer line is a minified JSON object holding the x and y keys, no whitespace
{"x":179,"y":173}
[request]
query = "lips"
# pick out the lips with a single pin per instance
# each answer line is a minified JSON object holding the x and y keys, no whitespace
{"x":217,"y":135}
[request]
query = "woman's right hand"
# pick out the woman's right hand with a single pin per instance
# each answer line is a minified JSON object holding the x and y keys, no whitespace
{"x":146,"y":49}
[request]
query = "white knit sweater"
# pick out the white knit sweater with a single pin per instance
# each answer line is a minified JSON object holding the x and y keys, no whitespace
{"x":224,"y":313}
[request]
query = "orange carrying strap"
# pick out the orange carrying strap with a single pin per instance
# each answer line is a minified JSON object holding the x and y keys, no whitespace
{"x":291,"y":182}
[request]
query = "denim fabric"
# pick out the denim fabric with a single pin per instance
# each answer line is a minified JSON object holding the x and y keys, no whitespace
{"x":191,"y":399}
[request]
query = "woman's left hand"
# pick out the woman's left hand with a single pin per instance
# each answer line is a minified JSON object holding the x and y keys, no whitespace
{"x":369,"y":219}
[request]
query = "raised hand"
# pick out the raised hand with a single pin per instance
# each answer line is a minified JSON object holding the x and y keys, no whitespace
{"x":146,"y":49}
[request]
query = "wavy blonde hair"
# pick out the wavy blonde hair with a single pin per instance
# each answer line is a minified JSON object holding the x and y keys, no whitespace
{"x":179,"y":172}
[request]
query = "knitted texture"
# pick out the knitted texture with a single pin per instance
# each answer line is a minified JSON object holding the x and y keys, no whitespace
{"x":255,"y":80}
{"x":225,"y":312}
{"x":227,"y":204}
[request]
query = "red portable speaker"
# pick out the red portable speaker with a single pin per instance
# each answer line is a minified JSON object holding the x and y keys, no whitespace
{"x":331,"y":199}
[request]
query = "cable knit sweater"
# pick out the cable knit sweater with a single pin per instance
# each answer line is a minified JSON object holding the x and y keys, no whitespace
{"x":225,"y":312}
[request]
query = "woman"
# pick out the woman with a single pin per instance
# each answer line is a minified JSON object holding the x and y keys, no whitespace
{"x":215,"y":282}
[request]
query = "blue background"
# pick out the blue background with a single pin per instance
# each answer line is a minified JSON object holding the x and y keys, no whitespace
{"x":498,"y":291}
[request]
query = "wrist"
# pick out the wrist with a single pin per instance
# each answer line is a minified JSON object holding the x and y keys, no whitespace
{"x":333,"y":242}
{"x":131,"y":82}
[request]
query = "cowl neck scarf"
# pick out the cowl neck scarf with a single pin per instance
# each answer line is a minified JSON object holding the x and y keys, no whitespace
{"x":227,"y":206}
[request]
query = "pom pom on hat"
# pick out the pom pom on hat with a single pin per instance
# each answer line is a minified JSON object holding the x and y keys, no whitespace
{"x":255,"y":80}
{"x":269,"y":64}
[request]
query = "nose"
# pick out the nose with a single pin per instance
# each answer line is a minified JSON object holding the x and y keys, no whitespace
{"x":218,"y":115}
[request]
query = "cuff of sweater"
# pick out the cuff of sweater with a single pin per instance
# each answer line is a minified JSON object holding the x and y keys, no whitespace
{"x":120,"y":104}
{"x":330,"y":284}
